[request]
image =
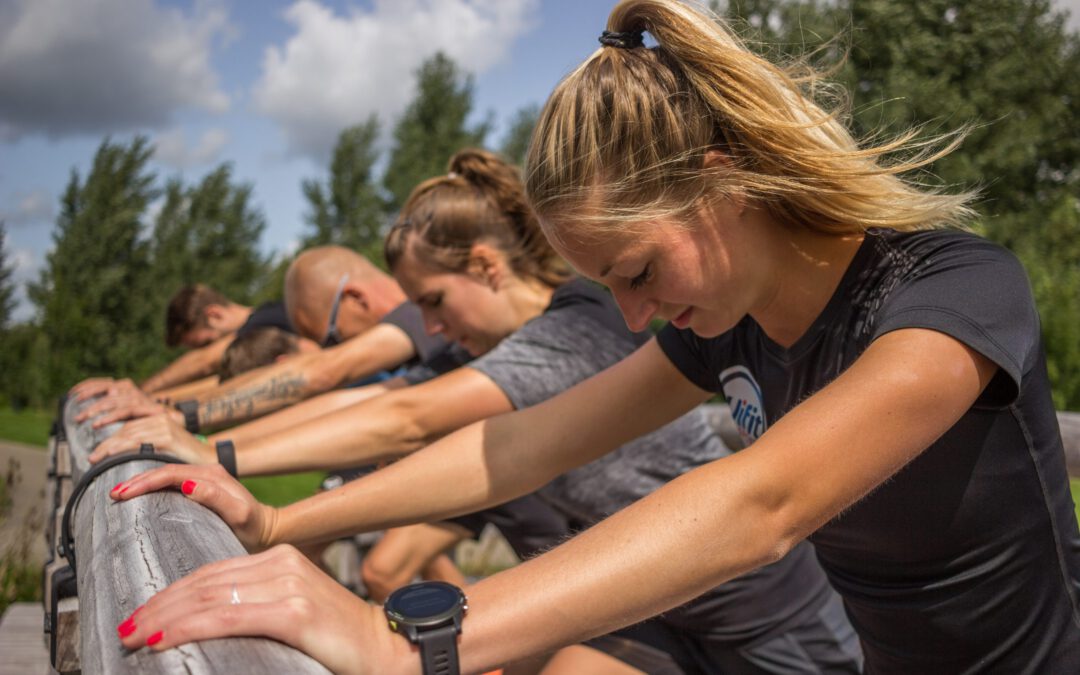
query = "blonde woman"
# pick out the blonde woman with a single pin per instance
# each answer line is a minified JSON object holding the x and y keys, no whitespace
{"x":887,"y":372}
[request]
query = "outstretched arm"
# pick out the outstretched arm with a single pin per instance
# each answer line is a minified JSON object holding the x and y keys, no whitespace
{"x":273,"y":387}
{"x":706,"y":527}
{"x":192,"y":365}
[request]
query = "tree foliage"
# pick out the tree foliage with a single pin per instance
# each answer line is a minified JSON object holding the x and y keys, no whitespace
{"x":432,"y":128}
{"x":348,"y":211}
{"x":7,"y":286}
{"x":516,"y":142}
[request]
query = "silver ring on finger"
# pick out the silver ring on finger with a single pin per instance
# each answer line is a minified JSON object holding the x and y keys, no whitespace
{"x":235,"y":599}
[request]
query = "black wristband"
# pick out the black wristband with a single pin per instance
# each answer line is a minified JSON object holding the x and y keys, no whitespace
{"x":226,"y":456}
{"x":438,"y":651}
{"x":190,"y":410}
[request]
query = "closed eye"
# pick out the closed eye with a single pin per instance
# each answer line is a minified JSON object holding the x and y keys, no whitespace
{"x":641,"y":279}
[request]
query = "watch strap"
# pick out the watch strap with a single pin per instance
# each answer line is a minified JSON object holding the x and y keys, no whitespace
{"x":190,"y":410}
{"x":438,"y":650}
{"x":226,"y":456}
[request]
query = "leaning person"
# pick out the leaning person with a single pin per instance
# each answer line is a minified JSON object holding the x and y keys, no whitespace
{"x":468,"y":250}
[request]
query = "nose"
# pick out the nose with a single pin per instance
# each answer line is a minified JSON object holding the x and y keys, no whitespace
{"x":637,"y":310}
{"x":432,"y":324}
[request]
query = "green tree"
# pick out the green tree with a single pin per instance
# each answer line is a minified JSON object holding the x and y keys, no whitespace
{"x":348,"y":211}
{"x":516,"y":142}
{"x":7,"y":286}
{"x":209,"y":233}
{"x":92,"y":295}
{"x":432,"y":128}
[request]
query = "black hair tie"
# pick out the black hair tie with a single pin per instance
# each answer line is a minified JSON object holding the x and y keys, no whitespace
{"x":627,"y":40}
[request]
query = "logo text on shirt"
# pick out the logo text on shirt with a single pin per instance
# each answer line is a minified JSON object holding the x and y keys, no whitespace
{"x":747,"y":407}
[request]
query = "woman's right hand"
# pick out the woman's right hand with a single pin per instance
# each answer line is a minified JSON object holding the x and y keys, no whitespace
{"x":278,"y":594}
{"x":213,"y":487}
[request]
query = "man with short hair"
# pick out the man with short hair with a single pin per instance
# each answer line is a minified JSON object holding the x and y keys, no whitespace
{"x":333,"y":295}
{"x":204,"y":320}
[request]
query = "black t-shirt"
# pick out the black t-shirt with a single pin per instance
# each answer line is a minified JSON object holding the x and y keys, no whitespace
{"x":268,"y":314}
{"x":968,"y":559}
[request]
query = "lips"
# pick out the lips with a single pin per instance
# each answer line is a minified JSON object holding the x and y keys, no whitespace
{"x":683,"y":320}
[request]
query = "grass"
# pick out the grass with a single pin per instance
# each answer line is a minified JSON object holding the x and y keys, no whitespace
{"x":25,"y":426}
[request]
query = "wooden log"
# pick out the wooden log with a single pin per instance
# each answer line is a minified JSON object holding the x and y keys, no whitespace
{"x":128,"y":551}
{"x":719,"y":417}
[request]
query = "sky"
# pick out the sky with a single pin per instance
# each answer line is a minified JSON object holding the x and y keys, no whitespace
{"x":264,"y":84}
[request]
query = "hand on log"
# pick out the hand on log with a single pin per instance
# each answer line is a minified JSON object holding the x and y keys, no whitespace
{"x":278,"y":594}
{"x":212,"y":486}
{"x":161,"y":431}
{"x":119,"y":400}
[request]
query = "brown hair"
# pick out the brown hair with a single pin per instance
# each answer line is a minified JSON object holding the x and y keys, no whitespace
{"x":187,"y":311}
{"x":254,"y":349}
{"x":624,"y":137}
{"x":481,"y":198}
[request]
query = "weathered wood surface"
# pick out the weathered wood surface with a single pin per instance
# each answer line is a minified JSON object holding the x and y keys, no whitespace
{"x":127,"y":551}
{"x":719,"y":416}
{"x":21,"y":651}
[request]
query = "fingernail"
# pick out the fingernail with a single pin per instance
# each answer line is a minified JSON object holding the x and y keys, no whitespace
{"x":188,"y":486}
{"x":154,"y":639}
{"x":117,"y":487}
{"x":127,"y":628}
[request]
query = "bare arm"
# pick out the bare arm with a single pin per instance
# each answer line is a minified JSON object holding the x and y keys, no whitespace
{"x":183,"y":392}
{"x":305,"y":411}
{"x":383,"y":427}
{"x":190,"y":366}
{"x":273,"y":387}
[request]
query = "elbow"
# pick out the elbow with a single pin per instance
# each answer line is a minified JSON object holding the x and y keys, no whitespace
{"x":381,"y":577}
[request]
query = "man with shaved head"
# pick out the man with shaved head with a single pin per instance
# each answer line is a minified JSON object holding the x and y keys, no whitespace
{"x":335,"y":297}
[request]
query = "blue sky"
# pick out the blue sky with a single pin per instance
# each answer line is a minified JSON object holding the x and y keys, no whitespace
{"x":265,"y":84}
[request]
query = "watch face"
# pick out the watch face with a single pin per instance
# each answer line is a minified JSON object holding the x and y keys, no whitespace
{"x":425,"y":603}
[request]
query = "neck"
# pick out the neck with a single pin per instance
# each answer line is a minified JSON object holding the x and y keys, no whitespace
{"x":528,"y":298}
{"x":806,"y":268}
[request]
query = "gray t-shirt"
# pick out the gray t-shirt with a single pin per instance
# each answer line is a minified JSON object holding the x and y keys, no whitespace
{"x":580,"y":334}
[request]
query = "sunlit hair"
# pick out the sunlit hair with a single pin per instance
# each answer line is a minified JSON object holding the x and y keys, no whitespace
{"x":623,"y":138}
{"x":480,"y":199}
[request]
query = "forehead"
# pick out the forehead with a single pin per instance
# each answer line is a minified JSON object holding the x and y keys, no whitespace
{"x":416,"y":277}
{"x":593,"y":253}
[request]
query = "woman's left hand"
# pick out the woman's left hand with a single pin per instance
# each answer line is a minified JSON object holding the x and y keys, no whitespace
{"x":163,"y":433}
{"x":278,"y":594}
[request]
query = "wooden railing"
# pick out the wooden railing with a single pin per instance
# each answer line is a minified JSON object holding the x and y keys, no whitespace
{"x":127,"y":551}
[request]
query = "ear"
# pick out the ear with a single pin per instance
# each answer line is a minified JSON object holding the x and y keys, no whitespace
{"x":487,"y":265}
{"x":720,"y":163}
{"x":356,"y":293}
{"x":213,"y":314}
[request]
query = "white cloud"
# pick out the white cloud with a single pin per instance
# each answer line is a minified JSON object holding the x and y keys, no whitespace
{"x":37,"y":206}
{"x":96,"y":66}
{"x":172,"y":149}
{"x":25,"y":268}
{"x":338,"y":70}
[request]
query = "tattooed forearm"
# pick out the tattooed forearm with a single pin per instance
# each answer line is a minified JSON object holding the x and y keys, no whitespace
{"x":252,"y":401}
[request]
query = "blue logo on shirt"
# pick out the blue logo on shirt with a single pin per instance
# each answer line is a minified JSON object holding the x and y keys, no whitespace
{"x":747,"y":406}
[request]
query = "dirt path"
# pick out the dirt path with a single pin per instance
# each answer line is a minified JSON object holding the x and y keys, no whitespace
{"x":23,"y":467}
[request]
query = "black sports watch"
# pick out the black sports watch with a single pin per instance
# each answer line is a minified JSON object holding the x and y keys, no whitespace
{"x":190,"y":410}
{"x":429,"y":614}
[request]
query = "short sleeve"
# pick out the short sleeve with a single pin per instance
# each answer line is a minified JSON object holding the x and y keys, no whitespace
{"x":979,"y":294}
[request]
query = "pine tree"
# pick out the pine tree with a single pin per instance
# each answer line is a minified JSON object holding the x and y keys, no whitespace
{"x":348,"y":211}
{"x":516,"y":142}
{"x":93,"y":294}
{"x":432,"y":128}
{"x":7,"y":286}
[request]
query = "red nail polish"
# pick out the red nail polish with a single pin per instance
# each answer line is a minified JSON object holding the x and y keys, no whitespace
{"x":188,"y":486}
{"x":154,"y":639}
{"x":127,"y":628}
{"x":117,"y":487}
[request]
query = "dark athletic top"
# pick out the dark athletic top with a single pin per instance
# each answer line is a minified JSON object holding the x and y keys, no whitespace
{"x":968,"y":559}
{"x":268,"y":314}
{"x":579,"y":334}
